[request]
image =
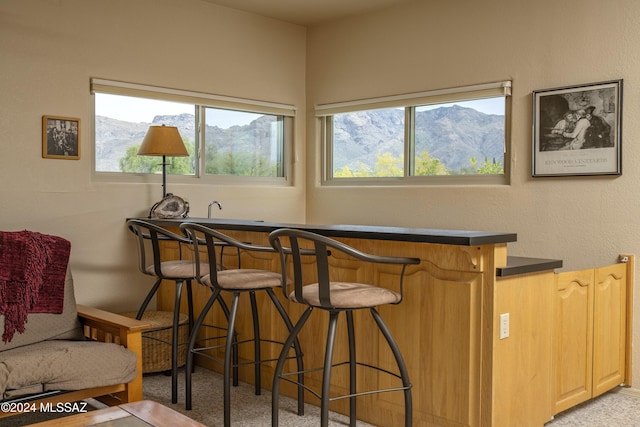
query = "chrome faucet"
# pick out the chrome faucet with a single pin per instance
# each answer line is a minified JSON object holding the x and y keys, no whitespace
{"x":214,"y":202}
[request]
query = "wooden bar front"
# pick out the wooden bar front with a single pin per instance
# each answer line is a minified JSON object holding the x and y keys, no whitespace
{"x":447,"y":327}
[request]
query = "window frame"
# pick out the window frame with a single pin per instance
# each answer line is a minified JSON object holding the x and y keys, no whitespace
{"x":324,"y":119}
{"x":201,"y":101}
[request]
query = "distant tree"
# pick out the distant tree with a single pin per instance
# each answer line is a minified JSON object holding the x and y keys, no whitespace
{"x":240,"y":164}
{"x":361,"y":171}
{"x":230,"y":163}
{"x":487,"y":167}
{"x":133,"y":163}
{"x":387,"y":165}
{"x":491,"y":168}
{"x":427,"y":165}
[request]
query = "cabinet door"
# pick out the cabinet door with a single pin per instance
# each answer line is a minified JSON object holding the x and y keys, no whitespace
{"x":573,"y":339}
{"x":609,"y":330}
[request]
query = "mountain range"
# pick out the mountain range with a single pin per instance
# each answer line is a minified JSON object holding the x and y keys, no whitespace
{"x":451,"y":134}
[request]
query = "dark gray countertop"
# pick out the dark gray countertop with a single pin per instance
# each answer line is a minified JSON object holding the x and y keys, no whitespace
{"x":523,"y":265}
{"x":403,"y":234}
{"x":515,"y":265}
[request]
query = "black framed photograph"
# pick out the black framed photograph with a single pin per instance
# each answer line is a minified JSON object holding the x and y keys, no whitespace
{"x":60,"y":138}
{"x":577,"y":130}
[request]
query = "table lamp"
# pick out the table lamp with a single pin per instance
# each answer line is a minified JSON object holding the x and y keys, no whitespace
{"x":163,"y":141}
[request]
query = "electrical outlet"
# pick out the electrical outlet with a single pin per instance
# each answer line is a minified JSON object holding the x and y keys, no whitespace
{"x":504,"y":326}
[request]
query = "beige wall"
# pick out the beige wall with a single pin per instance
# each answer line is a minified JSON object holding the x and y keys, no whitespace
{"x":541,"y":44}
{"x":49,"y":49}
{"x":48,"y":52}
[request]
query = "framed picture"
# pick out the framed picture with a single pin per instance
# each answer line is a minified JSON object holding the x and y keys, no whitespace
{"x":577,"y":130}
{"x":60,"y":138}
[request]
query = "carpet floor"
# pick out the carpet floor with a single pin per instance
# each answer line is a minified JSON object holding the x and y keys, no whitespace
{"x":613,"y":409}
{"x":247,"y":409}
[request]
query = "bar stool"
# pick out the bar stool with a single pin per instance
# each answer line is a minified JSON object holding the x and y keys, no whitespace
{"x":236,"y":281}
{"x":336,"y":297}
{"x":148,"y":237}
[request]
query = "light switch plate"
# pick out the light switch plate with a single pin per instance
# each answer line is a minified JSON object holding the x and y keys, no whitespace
{"x":504,"y":326}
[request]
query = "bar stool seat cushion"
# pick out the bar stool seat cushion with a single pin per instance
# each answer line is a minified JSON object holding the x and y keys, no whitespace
{"x":178,"y":269}
{"x":245,"y":278}
{"x":348,"y":295}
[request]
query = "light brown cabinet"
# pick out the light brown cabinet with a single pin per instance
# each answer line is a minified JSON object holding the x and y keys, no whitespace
{"x":591,"y":325}
{"x":521,"y":361}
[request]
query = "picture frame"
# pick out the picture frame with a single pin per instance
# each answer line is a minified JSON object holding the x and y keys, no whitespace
{"x":577,"y":130}
{"x":60,"y":137}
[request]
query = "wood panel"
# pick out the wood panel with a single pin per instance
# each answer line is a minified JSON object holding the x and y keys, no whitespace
{"x":522,"y":364}
{"x":573,"y":339}
{"x":438,"y":329}
{"x":592,"y":318}
{"x":609,"y":328}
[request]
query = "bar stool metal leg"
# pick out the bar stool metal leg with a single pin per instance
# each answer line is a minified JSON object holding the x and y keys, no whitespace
{"x":190,"y":368}
{"x":192,"y":342}
{"x":404,"y":372}
{"x":296,"y":347}
{"x":277,"y":375}
{"x":190,"y":305}
{"x":147,"y":300}
{"x":257,"y":370}
{"x":175,"y":326}
{"x":227,"y":361}
{"x":326,"y":375}
{"x":352,"y":369}
{"x":174,"y":343}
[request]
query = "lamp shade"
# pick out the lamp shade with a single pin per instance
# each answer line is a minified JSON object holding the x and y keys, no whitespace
{"x":162,"y":141}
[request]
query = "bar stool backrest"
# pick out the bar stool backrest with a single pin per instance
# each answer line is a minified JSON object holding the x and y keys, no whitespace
{"x":299,"y":244}
{"x":203,"y":237}
{"x":148,"y":238}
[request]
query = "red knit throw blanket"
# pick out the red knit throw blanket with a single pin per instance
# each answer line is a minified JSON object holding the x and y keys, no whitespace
{"x":33,"y":268}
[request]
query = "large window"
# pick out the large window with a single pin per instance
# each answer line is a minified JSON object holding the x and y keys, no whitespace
{"x":228,"y":139}
{"x":450,"y":136}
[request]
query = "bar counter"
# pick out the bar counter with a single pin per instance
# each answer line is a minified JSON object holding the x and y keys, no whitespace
{"x":422,"y":235}
{"x":515,"y":265}
{"x":447,"y":326}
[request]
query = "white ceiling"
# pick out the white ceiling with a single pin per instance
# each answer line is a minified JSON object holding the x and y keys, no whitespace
{"x":307,"y":12}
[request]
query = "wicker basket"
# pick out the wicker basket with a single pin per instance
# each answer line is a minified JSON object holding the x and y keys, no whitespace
{"x":156,"y":341}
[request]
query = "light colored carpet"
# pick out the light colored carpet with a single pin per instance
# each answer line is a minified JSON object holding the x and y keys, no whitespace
{"x":247,"y":409}
{"x":617,"y":408}
{"x":613,"y":409}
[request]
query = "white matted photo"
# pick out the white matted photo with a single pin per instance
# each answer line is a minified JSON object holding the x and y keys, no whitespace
{"x":577,"y":130}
